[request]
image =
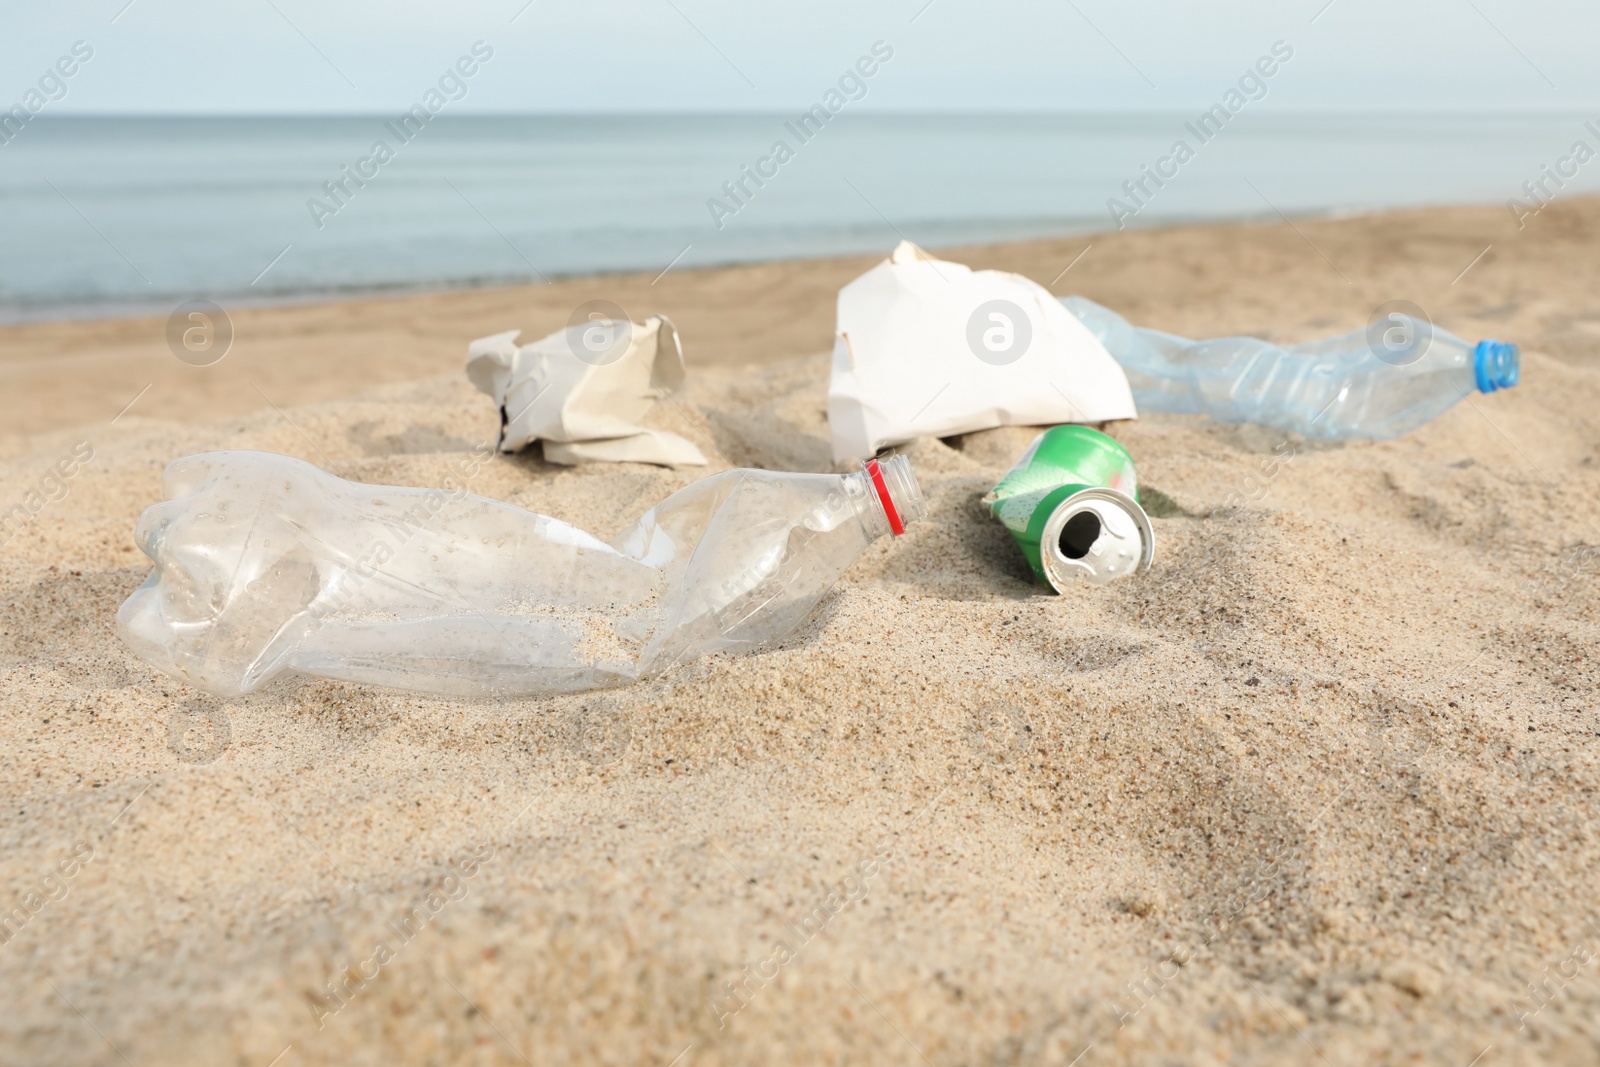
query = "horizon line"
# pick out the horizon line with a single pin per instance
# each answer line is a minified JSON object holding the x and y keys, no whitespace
{"x":1018,"y":112}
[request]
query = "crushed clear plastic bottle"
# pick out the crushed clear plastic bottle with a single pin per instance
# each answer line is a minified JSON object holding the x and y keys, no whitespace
{"x":1333,"y":389}
{"x":266,"y":565}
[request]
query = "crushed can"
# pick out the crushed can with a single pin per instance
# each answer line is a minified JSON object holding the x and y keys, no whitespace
{"x":1071,"y":501}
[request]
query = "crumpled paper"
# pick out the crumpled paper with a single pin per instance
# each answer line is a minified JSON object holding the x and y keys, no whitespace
{"x":583,"y":391}
{"x":928,"y":348}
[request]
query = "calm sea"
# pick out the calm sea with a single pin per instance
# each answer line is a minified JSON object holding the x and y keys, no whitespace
{"x":108,"y":215}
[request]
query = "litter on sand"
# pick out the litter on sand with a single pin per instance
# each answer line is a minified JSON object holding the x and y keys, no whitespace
{"x":1400,"y":373}
{"x":928,"y":348}
{"x":1071,"y":502}
{"x":266,"y":565}
{"x":584,"y":391}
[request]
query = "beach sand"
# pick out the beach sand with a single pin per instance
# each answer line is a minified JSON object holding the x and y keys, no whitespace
{"x":1319,"y":787}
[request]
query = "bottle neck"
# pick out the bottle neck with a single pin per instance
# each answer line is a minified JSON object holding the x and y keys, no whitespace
{"x":887,"y":496}
{"x":1496,"y":365}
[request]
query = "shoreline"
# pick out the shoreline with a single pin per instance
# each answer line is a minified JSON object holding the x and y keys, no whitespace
{"x":82,"y":313}
{"x":1193,"y":280}
{"x":68,"y":313}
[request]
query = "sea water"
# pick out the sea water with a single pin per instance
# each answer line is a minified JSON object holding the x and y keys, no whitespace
{"x":112,"y":215}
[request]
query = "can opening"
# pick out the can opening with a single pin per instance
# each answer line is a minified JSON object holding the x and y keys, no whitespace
{"x":1095,"y":534}
{"x":1079,"y":534}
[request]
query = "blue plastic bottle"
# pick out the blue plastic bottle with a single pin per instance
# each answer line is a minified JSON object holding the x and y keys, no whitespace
{"x":1333,"y":389}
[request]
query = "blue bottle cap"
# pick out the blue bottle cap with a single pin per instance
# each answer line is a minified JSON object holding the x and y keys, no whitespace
{"x":1497,"y":364}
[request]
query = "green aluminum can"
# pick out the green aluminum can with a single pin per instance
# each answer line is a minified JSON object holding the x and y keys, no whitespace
{"x":1071,"y":502}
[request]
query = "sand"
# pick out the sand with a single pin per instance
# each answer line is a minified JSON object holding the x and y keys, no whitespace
{"x":1319,"y":787}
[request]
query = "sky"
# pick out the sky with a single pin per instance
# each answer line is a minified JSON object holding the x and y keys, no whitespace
{"x":332,"y":57}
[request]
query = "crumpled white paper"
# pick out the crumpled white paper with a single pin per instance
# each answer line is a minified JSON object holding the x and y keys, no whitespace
{"x":924,"y":347}
{"x":584,"y":390}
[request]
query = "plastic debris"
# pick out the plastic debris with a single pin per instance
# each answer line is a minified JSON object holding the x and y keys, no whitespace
{"x":266,"y":565}
{"x":1382,"y":382}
